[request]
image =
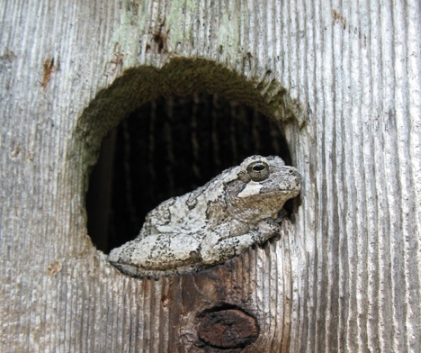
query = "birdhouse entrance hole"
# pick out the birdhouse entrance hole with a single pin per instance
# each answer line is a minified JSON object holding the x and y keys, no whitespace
{"x":168,"y":137}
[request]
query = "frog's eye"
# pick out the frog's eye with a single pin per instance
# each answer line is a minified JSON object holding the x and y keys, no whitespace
{"x":258,"y":171}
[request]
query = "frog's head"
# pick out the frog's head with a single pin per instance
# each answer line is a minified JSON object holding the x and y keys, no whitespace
{"x":261,"y":187}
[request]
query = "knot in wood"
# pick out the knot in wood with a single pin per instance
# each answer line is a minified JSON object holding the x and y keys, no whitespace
{"x":230,"y":328}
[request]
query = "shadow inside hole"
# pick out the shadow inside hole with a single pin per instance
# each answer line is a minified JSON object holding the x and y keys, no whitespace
{"x":168,"y":147}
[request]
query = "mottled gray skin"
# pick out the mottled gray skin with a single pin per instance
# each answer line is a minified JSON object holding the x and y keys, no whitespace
{"x":213,"y":223}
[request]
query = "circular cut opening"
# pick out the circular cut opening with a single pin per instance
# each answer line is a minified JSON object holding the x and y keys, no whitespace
{"x":168,"y":147}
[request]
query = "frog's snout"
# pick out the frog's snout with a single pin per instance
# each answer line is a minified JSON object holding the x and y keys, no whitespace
{"x":293,"y":171}
{"x":293,"y":179}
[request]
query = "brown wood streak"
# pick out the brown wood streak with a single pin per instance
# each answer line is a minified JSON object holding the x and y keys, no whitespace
{"x":49,"y":68}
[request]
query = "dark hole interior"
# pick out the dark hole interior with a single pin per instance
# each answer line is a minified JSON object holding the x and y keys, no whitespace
{"x":166,"y":148}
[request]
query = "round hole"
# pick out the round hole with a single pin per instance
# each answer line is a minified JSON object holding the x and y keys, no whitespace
{"x":168,"y":147}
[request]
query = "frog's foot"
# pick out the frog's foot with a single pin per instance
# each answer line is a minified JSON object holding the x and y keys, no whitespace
{"x":230,"y":247}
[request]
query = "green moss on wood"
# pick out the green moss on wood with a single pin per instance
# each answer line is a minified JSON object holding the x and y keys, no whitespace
{"x":179,"y":77}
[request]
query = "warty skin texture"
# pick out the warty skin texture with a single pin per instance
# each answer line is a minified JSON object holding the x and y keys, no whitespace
{"x":238,"y":208}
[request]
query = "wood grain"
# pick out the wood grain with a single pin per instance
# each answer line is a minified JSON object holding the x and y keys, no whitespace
{"x":343,"y":77}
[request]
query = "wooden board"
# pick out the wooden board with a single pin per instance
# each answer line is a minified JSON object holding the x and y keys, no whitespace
{"x":344,"y":79}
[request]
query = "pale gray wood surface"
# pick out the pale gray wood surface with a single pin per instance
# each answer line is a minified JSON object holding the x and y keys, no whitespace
{"x":344,"y":278}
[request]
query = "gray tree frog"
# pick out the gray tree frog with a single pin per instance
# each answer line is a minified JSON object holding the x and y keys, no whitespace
{"x":213,"y":223}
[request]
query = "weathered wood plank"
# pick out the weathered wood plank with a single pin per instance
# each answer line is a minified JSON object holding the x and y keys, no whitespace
{"x":344,"y":277}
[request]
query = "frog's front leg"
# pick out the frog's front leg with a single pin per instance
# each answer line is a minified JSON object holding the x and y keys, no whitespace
{"x":216,"y":250}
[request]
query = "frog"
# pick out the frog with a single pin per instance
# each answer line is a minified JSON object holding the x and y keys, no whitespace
{"x":240,"y":207}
